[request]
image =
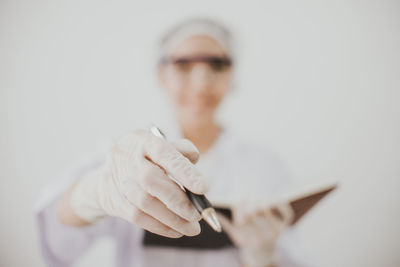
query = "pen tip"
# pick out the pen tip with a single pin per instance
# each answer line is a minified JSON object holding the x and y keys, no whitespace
{"x":210,"y":216}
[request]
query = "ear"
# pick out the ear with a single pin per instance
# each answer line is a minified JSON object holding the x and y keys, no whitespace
{"x":232,"y":82}
{"x":161,"y":75}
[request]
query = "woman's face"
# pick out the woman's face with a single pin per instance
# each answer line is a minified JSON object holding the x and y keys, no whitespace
{"x":197,"y":76}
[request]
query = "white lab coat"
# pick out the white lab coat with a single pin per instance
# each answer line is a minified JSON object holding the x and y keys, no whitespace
{"x":236,"y":171}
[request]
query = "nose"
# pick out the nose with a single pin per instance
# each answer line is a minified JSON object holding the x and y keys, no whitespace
{"x":201,"y":77}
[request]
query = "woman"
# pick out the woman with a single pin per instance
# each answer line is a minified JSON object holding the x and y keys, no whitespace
{"x":129,"y":191}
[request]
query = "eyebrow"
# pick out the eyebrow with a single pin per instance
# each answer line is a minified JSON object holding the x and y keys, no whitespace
{"x":199,"y":58}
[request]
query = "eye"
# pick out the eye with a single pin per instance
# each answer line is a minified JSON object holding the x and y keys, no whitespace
{"x":183,"y":65}
{"x":218,"y":64}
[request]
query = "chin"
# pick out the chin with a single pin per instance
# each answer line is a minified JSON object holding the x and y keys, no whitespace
{"x":198,"y":114}
{"x":204,"y":117}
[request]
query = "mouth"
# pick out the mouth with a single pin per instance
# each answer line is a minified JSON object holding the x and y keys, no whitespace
{"x":203,"y":103}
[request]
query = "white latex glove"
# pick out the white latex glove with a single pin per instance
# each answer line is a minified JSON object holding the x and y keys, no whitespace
{"x":133,"y":185}
{"x":255,"y":229}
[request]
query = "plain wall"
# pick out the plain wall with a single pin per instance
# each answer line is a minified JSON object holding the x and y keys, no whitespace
{"x":318,"y":82}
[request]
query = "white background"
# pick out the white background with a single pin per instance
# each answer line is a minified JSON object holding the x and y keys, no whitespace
{"x":318,"y":82}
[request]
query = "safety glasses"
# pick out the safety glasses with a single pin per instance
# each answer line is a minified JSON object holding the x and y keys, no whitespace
{"x":185,"y":64}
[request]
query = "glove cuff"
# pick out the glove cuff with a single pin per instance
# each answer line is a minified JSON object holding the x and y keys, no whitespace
{"x":84,"y":196}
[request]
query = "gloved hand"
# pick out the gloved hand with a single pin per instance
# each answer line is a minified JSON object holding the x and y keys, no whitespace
{"x":133,"y":185}
{"x":255,"y":228}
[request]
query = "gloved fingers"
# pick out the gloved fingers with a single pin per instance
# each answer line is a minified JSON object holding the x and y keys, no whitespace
{"x":241,"y":235}
{"x":276,"y":224}
{"x":238,"y":213}
{"x":287,"y":213}
{"x":170,"y":159}
{"x":266,"y":226}
{"x":265,"y":216}
{"x":188,"y":149}
{"x":151,"y":224}
{"x":228,"y":227}
{"x":122,"y":165}
{"x":258,"y":216}
{"x":156,"y":209}
{"x":155,"y":181}
{"x":243,"y":212}
{"x":132,"y":143}
{"x":130,"y":213}
{"x":281,"y":211}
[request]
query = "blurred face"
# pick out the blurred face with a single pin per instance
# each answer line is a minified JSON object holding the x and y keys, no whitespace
{"x":197,"y":76}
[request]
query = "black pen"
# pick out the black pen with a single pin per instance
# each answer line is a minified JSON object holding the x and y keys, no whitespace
{"x":200,"y":202}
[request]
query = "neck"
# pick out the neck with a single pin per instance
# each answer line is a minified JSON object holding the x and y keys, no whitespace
{"x":202,"y":133}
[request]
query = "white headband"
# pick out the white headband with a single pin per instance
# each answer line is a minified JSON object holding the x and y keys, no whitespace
{"x":196,"y":28}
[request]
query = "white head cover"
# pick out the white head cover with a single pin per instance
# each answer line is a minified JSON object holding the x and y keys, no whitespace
{"x":196,"y":27}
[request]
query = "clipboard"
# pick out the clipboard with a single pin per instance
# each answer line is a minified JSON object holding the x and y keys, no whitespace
{"x":303,"y":203}
{"x":209,"y":239}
